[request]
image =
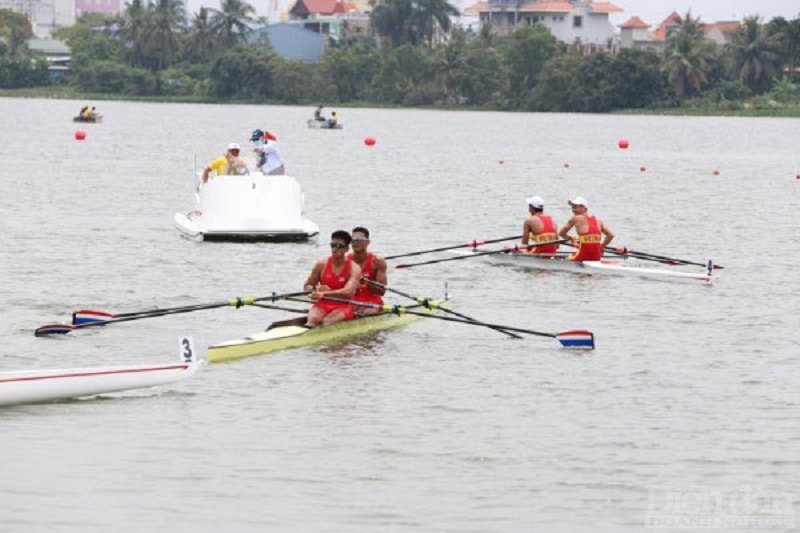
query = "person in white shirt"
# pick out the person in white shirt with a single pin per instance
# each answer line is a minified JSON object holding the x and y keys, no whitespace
{"x":270,"y":161}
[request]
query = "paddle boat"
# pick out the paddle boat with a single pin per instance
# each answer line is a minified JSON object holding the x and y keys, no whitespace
{"x":559,"y":262}
{"x":323,"y":124}
{"x":248,"y":208}
{"x":93,"y":119}
{"x":31,"y":386}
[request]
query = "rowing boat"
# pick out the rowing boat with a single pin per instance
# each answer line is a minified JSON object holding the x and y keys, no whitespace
{"x":560,"y":263}
{"x":288,"y":334}
{"x":30,"y":386}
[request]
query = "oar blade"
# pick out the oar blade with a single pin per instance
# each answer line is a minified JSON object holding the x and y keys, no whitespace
{"x":52,"y":329}
{"x":577,"y":339}
{"x":86,"y":316}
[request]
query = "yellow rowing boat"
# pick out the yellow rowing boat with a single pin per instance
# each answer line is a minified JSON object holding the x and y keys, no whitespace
{"x":288,"y":334}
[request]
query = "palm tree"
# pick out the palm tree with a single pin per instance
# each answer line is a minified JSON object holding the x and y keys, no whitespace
{"x":686,"y":60}
{"x":431,"y":16}
{"x":755,"y":55}
{"x":134,"y":23}
{"x":391,"y":19}
{"x":160,"y":35}
{"x":231,"y":23}
{"x":200,"y":47}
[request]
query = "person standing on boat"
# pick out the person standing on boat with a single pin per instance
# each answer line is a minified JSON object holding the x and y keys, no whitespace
{"x":593,"y":234}
{"x":227,"y":164}
{"x":337,"y":277}
{"x":539,"y":228}
{"x":373,"y":268}
{"x":318,"y":114}
{"x":270,"y":161}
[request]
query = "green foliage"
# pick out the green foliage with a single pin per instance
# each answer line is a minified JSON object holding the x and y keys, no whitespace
{"x":525,"y":54}
{"x":23,"y":72}
{"x":242,"y":72}
{"x":102,"y":77}
{"x":352,"y":70}
{"x":15,"y":29}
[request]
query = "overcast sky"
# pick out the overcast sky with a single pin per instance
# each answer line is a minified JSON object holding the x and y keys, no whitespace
{"x":654,"y":11}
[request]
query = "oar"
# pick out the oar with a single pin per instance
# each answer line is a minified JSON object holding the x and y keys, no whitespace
{"x":52,"y":329}
{"x":508,"y":250}
{"x":473,"y":244}
{"x":86,"y":316}
{"x":623,"y":251}
{"x":575,"y":339}
{"x":432,"y":304}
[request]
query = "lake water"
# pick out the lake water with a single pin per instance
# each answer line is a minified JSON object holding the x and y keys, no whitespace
{"x":686,"y":411}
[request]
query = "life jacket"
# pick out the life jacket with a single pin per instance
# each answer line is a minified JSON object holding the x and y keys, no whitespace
{"x":364,"y":293}
{"x":548,"y":234}
{"x":590,"y":244}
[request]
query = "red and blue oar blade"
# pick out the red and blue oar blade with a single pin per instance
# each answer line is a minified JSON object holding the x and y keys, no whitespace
{"x":86,"y":316}
{"x":576,"y":339}
{"x":53,"y":329}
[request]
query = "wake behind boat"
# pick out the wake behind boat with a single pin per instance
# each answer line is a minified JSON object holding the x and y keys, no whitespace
{"x":30,"y":386}
{"x":248,"y":208}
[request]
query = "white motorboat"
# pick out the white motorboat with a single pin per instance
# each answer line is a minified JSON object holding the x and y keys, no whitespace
{"x":30,"y":386}
{"x":323,"y":124}
{"x":251,"y":207}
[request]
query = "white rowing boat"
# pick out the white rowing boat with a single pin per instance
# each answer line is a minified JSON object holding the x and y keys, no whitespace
{"x":30,"y":386}
{"x":560,"y":263}
{"x":287,"y":334}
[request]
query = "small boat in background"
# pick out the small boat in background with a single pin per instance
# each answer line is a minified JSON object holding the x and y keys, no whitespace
{"x":94,"y":119}
{"x":31,"y":386}
{"x":248,"y":208}
{"x":323,"y":124}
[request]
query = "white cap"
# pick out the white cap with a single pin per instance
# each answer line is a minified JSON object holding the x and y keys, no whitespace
{"x":536,"y":202}
{"x":579,"y":200}
{"x":234,"y":146}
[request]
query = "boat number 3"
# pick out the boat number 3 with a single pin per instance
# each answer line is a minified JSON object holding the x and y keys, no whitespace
{"x":186,"y":349}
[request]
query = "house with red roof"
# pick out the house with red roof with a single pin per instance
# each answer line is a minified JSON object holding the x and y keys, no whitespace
{"x":634,"y":32}
{"x":582,"y":22}
{"x":330,"y":17}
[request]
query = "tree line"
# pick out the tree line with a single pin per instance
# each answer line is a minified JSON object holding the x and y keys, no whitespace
{"x":412,"y":55}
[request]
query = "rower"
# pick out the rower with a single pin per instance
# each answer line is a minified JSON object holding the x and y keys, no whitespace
{"x":373,"y":268}
{"x":336,"y":277}
{"x":593,"y":234}
{"x":539,"y":228}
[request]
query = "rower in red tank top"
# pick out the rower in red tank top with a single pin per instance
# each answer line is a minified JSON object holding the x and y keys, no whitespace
{"x":336,"y":277}
{"x":539,"y":228}
{"x":593,"y":235}
{"x":373,"y":268}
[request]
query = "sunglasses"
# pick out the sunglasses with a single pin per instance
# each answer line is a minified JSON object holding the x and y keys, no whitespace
{"x":358,"y":239}
{"x":335,"y":245}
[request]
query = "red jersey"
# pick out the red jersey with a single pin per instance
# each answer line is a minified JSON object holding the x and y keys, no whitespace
{"x":548,"y":234}
{"x":335,"y":281}
{"x":363,"y":293}
{"x":590,"y":244}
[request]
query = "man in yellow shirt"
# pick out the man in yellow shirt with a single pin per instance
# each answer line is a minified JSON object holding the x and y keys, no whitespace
{"x":230,"y":163}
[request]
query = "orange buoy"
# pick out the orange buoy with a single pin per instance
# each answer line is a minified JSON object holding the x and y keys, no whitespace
{"x":623,"y":143}
{"x":369,"y":141}
{"x":80,"y":135}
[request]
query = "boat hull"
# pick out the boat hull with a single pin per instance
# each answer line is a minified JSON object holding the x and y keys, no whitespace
{"x":561,"y":264}
{"x":323,"y":125}
{"x":88,"y":120}
{"x":249,"y":208}
{"x":285,"y":337}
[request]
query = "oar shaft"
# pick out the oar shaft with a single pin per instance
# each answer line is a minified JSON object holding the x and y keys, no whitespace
{"x":508,"y":250}
{"x":623,"y":251}
{"x":424,"y":302}
{"x":474,"y":244}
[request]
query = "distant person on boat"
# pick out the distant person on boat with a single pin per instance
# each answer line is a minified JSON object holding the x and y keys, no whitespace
{"x":228,"y":164}
{"x":83,"y":111}
{"x":333,"y":120}
{"x":270,"y":161}
{"x":318,"y":114}
{"x":373,"y":268}
{"x":337,"y":276}
{"x":593,"y":234}
{"x":538,"y":228}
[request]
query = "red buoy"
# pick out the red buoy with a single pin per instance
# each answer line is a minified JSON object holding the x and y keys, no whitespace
{"x":80,"y":135}
{"x":623,"y":143}
{"x":566,"y":165}
{"x":642,"y":168}
{"x":369,"y":141}
{"x":716,"y":173}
